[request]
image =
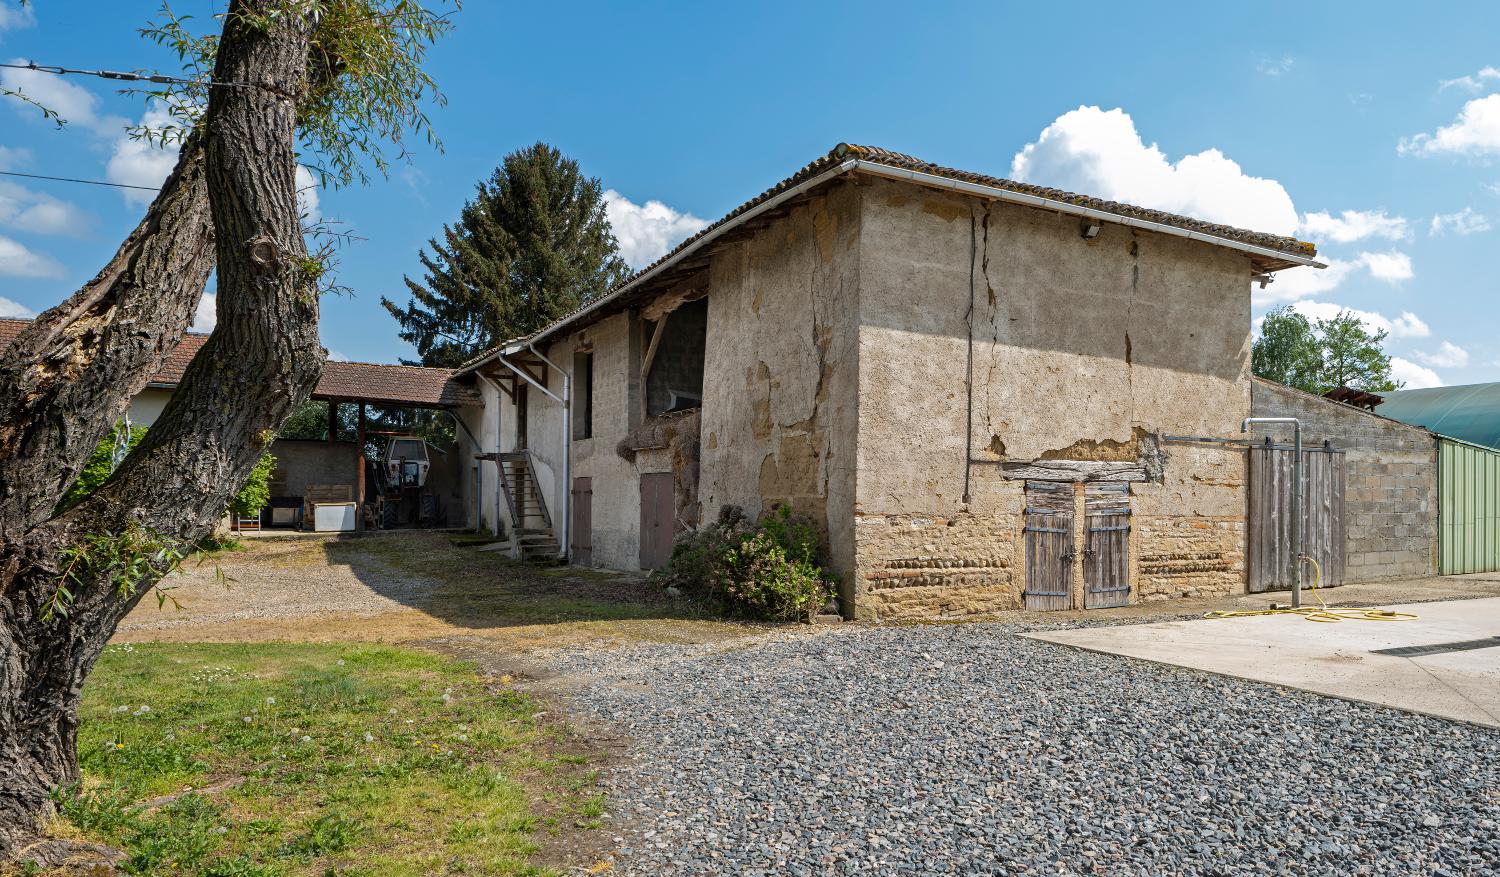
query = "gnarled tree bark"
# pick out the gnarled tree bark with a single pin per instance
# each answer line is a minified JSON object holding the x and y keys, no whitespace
{"x":71,"y":374}
{"x":261,"y":362}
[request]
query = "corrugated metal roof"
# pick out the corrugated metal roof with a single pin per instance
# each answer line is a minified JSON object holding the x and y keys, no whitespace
{"x":376,"y":383}
{"x":1470,"y":412}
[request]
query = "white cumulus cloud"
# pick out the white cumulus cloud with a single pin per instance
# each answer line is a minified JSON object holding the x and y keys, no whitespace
{"x":10,"y":308}
{"x":1390,"y":267}
{"x":1474,"y":82}
{"x":1269,"y":66}
{"x":1412,"y":376}
{"x":647,"y":231}
{"x":15,"y":16}
{"x":38,"y":212}
{"x":1300,"y":283}
{"x":76,"y":104}
{"x":1476,"y":132}
{"x":12,"y":157}
{"x":1099,"y":152}
{"x":1465,"y":222}
{"x":336,"y":356}
{"x":1355,"y":225}
{"x":135,"y":162}
{"x":1409,"y":325}
{"x":1449,"y":355}
{"x":17,"y":261}
{"x":307,"y":196}
{"x":206,"y":317}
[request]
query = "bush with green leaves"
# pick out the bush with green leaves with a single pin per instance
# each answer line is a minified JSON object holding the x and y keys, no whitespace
{"x":253,"y":496}
{"x":766,"y":570}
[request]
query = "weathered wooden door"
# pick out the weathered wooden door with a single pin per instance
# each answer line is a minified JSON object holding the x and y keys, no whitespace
{"x":658,"y":519}
{"x":1269,"y":558}
{"x":581,"y":529}
{"x":1106,"y":545}
{"x":1049,"y":545}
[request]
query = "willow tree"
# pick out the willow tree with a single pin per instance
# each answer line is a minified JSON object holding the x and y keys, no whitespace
{"x":339,"y":81}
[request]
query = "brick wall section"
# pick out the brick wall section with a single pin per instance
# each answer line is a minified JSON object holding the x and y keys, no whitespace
{"x":1390,"y":504}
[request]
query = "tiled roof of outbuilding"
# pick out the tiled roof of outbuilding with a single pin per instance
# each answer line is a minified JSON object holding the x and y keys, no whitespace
{"x":1299,"y":251}
{"x":376,"y":383}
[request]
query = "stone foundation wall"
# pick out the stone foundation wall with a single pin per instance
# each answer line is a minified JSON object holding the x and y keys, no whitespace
{"x":914,"y":566}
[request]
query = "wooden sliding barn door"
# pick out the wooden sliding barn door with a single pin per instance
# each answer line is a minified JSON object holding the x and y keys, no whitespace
{"x":1270,"y":525}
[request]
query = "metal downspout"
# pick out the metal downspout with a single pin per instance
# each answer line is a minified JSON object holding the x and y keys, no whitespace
{"x":499,"y":410}
{"x":566,"y":518}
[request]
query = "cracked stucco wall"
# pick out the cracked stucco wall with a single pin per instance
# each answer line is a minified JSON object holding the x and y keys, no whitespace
{"x":1079,"y":348}
{"x":780,"y":402}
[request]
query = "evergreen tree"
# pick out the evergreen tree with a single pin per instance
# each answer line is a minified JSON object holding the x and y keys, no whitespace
{"x":533,"y":245}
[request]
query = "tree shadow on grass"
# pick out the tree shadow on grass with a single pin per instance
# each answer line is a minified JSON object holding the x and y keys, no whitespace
{"x":469,"y":588}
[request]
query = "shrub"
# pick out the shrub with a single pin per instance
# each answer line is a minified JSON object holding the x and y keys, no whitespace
{"x":767,"y":570}
{"x":101,"y":464}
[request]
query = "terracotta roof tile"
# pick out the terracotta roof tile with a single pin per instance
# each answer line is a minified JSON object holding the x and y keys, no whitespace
{"x":874,"y":154}
{"x":369,"y":382}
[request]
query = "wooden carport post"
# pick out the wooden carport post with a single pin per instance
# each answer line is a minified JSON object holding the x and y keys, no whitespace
{"x":359,"y":477}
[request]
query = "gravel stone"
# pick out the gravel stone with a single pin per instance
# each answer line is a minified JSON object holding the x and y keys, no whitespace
{"x":969,"y":750}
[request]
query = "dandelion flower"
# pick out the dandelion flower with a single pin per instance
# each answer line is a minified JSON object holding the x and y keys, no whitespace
{"x":341,"y":662}
{"x":369,"y":738}
{"x":271,"y":701}
{"x":247,"y":720}
{"x":306,"y":739}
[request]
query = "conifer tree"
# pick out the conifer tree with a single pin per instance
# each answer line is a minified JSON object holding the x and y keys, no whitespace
{"x":533,"y":245}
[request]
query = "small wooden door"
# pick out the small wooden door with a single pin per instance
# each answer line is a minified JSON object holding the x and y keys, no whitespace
{"x":581,"y":529}
{"x":1049,"y":545}
{"x":658,"y":518}
{"x":1106,"y":545}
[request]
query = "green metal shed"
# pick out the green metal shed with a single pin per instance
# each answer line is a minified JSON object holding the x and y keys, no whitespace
{"x":1468,"y":507}
{"x":1470,"y":413}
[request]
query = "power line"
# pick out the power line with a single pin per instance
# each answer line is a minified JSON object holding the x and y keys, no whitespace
{"x":72,"y":180}
{"x":158,"y":78}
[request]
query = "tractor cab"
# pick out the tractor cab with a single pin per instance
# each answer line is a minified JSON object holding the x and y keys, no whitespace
{"x":406,"y":461}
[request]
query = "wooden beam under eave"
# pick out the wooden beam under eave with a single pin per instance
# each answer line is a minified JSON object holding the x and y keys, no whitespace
{"x":650,"y":357}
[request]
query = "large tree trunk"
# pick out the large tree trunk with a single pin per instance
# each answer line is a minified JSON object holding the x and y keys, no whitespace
{"x":262,"y":361}
{"x":71,"y":374}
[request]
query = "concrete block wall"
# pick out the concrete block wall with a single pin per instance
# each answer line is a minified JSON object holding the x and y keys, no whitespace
{"x":1390,"y":502}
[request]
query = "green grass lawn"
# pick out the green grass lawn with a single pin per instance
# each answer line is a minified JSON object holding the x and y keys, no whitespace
{"x":294,"y":759}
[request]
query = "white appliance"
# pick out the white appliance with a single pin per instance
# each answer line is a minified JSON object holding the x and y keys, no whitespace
{"x":333,"y":517}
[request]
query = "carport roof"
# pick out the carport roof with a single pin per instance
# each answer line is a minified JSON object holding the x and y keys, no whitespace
{"x":378,"y":384}
{"x":1470,"y":412}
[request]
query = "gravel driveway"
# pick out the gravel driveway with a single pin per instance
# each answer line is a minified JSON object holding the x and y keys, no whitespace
{"x":969,"y":750}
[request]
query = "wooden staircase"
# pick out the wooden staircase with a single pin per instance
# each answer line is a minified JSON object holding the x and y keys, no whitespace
{"x":531,"y":535}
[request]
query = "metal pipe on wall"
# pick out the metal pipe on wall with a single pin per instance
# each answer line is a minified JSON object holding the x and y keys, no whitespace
{"x":499,"y":409}
{"x":566,"y":530}
{"x":1296,"y":497}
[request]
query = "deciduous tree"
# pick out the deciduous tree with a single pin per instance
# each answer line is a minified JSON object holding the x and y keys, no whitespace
{"x":341,"y":76}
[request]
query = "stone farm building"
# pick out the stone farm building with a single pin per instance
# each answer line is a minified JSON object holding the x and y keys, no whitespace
{"x":992,"y":395}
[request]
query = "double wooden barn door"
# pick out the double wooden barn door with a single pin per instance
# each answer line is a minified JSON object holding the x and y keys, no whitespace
{"x":1051,"y":549}
{"x":1269,"y":552}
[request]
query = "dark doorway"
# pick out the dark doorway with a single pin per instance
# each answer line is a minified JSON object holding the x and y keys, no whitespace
{"x":521,"y":416}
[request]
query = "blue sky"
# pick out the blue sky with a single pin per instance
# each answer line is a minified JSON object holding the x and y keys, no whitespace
{"x":1370,"y":127}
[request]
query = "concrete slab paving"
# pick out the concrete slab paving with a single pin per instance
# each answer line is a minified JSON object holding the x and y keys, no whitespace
{"x":1332,"y":659}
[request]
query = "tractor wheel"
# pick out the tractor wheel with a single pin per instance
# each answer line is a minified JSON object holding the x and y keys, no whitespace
{"x":390,"y":515}
{"x":429,"y":509}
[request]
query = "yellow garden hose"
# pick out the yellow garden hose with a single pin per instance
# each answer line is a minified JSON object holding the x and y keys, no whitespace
{"x":1322,"y":612}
